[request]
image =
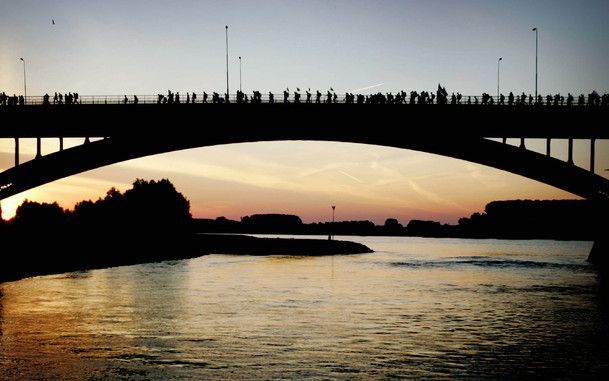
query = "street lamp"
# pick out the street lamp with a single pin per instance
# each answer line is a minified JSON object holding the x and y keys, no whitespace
{"x":498,"y":66}
{"x":240,"y":73}
{"x":226,"y":63}
{"x":333,"y":208}
{"x":536,"y":55}
{"x":24,"y":82}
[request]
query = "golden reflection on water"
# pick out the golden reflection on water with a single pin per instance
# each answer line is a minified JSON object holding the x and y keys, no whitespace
{"x":419,"y":308}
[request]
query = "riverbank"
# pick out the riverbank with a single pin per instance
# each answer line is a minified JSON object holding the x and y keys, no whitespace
{"x":46,"y":255}
{"x":248,"y":245}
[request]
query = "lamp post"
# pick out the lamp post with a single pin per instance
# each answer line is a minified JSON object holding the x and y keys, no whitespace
{"x":24,"y":82}
{"x":226,"y":63}
{"x":333,"y":208}
{"x":240,"y":73}
{"x":536,"y":60}
{"x":498,"y":66}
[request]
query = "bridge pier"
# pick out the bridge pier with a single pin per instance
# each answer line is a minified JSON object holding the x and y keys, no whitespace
{"x":599,"y":255}
{"x":504,"y":140}
{"x":61,"y":144}
{"x":570,"y":161}
{"x":548,"y":147}
{"x":592,"y":146}
{"x":522,"y":143}
{"x":87,"y":141}
{"x":16,"y":152}
{"x":38,"y":149}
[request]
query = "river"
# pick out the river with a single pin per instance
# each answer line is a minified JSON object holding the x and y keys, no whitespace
{"x":432,"y":309}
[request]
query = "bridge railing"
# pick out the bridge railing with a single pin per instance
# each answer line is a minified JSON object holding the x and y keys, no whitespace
{"x":279,"y":98}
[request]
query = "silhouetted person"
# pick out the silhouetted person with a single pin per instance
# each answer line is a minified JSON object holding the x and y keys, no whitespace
{"x":308,"y":97}
{"x":125,"y":101}
{"x":318,"y":97}
{"x":45,"y":99}
{"x":286,"y":95}
{"x":530,"y":100}
{"x":271,"y":97}
{"x":177,"y":98}
{"x":569,"y":99}
{"x":511,"y":99}
{"x":329,"y":97}
{"x":205,"y":97}
{"x":135,"y":100}
{"x":334,"y":98}
{"x":187,"y":98}
{"x":75,"y":98}
{"x":194,"y":97}
{"x":501,"y":99}
{"x":413,"y":97}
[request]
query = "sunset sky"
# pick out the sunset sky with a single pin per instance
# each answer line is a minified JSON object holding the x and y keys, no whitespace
{"x":147,"y":47}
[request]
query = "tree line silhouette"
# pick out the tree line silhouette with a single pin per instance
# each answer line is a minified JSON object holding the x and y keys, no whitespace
{"x":517,"y":219}
{"x":149,"y":222}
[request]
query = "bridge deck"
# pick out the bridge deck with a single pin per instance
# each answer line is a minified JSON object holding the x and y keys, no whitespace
{"x":431,"y":121}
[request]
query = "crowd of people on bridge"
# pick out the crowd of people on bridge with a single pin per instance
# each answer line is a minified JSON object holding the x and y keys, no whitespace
{"x":439,"y":97}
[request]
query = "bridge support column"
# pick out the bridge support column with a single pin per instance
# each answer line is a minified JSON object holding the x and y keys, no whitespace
{"x":570,"y":161}
{"x":61,"y":144}
{"x":600,"y":254}
{"x":38,"y":149}
{"x":522,"y":143}
{"x":548,"y":147}
{"x":592,"y":144}
{"x":16,"y":152}
{"x":504,"y":140}
{"x":87,"y":141}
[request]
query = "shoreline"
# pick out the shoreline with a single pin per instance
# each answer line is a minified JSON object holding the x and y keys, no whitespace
{"x":175,"y":247}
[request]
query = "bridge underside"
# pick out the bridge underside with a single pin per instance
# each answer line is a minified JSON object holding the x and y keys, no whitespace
{"x":108,"y":151}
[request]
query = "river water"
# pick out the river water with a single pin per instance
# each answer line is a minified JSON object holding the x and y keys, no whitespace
{"x":433,"y":309}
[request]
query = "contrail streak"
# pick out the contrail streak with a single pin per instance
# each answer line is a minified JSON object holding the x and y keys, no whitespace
{"x":350,"y":176}
{"x":367,"y":88}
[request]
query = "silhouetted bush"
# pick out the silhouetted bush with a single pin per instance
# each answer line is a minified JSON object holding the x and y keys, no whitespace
{"x":148,"y":205}
{"x":34,"y":215}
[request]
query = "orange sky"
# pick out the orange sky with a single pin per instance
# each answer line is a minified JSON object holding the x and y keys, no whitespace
{"x":306,"y":178}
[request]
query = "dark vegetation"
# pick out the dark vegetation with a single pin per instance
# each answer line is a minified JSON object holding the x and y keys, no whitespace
{"x":520,"y":219}
{"x":149,"y":222}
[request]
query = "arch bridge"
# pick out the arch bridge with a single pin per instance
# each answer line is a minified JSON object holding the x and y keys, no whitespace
{"x":460,"y":131}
